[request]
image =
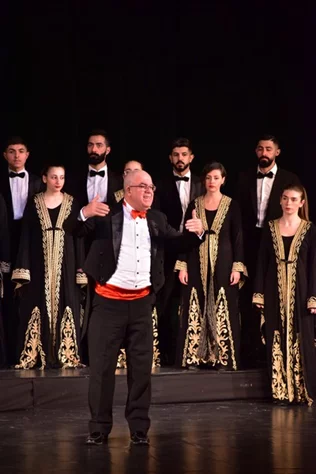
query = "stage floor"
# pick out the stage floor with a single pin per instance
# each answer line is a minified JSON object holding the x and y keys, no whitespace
{"x":227,"y":437}
{"x":24,"y":389}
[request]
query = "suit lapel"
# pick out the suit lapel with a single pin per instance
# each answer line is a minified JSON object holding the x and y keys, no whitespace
{"x":253,"y":192}
{"x":154,"y":232}
{"x":6,"y":192}
{"x":274,"y":200}
{"x":117,"y":232}
{"x":195,"y":190}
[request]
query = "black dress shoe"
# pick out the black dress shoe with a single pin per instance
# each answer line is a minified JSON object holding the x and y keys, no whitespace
{"x":139,"y":438}
{"x":96,"y":439}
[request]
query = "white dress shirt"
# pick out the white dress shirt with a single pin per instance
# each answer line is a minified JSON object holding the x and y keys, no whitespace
{"x":134,"y":260}
{"x":19,"y":192}
{"x":264,"y":187}
{"x":184,"y":188}
{"x":98,"y":185}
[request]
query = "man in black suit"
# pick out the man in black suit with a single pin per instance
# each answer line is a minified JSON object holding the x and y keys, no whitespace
{"x":17,"y":185}
{"x":126,"y":262}
{"x":174,"y":193}
{"x":258,"y":193}
{"x":99,"y":181}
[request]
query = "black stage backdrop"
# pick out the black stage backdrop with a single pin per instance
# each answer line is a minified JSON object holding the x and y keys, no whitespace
{"x":219,"y":73}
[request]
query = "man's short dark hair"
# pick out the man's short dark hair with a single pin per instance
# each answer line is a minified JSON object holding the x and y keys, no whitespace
{"x":179,"y":142}
{"x":268,"y":136}
{"x":100,"y":131}
{"x":15,"y":140}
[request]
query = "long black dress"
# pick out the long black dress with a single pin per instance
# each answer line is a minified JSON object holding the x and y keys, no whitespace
{"x":4,"y":268}
{"x":45,"y":273}
{"x":209,"y":316}
{"x":286,"y":286}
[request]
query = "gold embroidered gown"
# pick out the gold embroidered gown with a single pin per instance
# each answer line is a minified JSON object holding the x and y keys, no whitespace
{"x":209,"y":315}
{"x":45,"y":273}
{"x":286,"y":286}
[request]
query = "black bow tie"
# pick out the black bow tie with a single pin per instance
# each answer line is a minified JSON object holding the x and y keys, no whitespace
{"x":181,"y":178}
{"x":93,"y":173}
{"x":12,"y":174}
{"x":263,"y":175}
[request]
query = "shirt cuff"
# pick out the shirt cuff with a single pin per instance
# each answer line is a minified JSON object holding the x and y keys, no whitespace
{"x":81,"y":216}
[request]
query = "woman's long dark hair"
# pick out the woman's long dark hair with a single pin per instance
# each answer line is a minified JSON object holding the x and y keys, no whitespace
{"x":303,"y":211}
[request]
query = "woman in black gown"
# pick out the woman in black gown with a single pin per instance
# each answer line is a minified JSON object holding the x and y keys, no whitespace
{"x":45,"y":274}
{"x":211,"y":276}
{"x":285,"y":291}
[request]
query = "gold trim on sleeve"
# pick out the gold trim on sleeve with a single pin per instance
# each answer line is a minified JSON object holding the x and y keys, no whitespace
{"x":21,"y":274}
{"x":81,"y":278}
{"x":5,"y":267}
{"x":311,"y":302}
{"x":119,"y":195}
{"x":180,"y":265}
{"x":258,"y":298}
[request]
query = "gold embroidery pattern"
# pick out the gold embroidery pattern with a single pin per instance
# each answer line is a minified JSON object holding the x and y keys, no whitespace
{"x":279,"y":387}
{"x":224,"y":331}
{"x":193,"y":333}
{"x":156,"y":352}
{"x":5,"y":267}
{"x":311,"y":302}
{"x":208,"y":251}
{"x":301,"y":390}
{"x":238,"y":267}
{"x":32,"y":345}
{"x":68,"y":354}
{"x":180,"y":265}
{"x":21,"y":274}
{"x":262,"y":323}
{"x":121,"y":361}
{"x":53,"y":248}
{"x":119,"y":195}
{"x":258,"y":298}
{"x":81,"y":279}
{"x":286,"y":288}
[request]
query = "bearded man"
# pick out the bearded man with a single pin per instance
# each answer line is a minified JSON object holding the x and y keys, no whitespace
{"x":174,"y":193}
{"x":258,"y":193}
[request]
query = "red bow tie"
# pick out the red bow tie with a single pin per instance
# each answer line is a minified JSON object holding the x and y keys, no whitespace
{"x":141,"y":214}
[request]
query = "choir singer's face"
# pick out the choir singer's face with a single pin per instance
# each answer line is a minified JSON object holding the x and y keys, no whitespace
{"x":291,"y":202}
{"x":55,"y":179}
{"x":140,"y":191}
{"x":16,"y":156}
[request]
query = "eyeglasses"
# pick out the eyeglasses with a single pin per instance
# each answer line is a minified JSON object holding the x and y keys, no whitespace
{"x":145,"y":187}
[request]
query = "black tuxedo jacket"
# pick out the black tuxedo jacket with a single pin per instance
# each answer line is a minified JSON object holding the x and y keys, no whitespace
{"x":102,"y":258}
{"x":77,"y":186}
{"x":35,"y":186}
{"x":167,"y":198}
{"x":247,"y":196}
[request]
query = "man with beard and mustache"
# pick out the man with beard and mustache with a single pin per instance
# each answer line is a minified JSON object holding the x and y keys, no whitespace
{"x":99,"y":184}
{"x":173,"y":195}
{"x":258,"y":193}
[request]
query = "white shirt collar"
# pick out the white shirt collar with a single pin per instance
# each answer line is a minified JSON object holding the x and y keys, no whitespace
{"x":18,"y":172}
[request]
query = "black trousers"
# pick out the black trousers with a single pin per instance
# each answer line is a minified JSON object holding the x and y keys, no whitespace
{"x":111,"y":323}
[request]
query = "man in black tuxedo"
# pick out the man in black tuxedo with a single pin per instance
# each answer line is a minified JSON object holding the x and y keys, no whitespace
{"x":258,"y":193}
{"x":17,"y":185}
{"x":126,"y":262}
{"x":174,"y":193}
{"x":99,"y":180}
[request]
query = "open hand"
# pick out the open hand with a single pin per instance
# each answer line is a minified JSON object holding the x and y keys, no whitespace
{"x":95,"y":208}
